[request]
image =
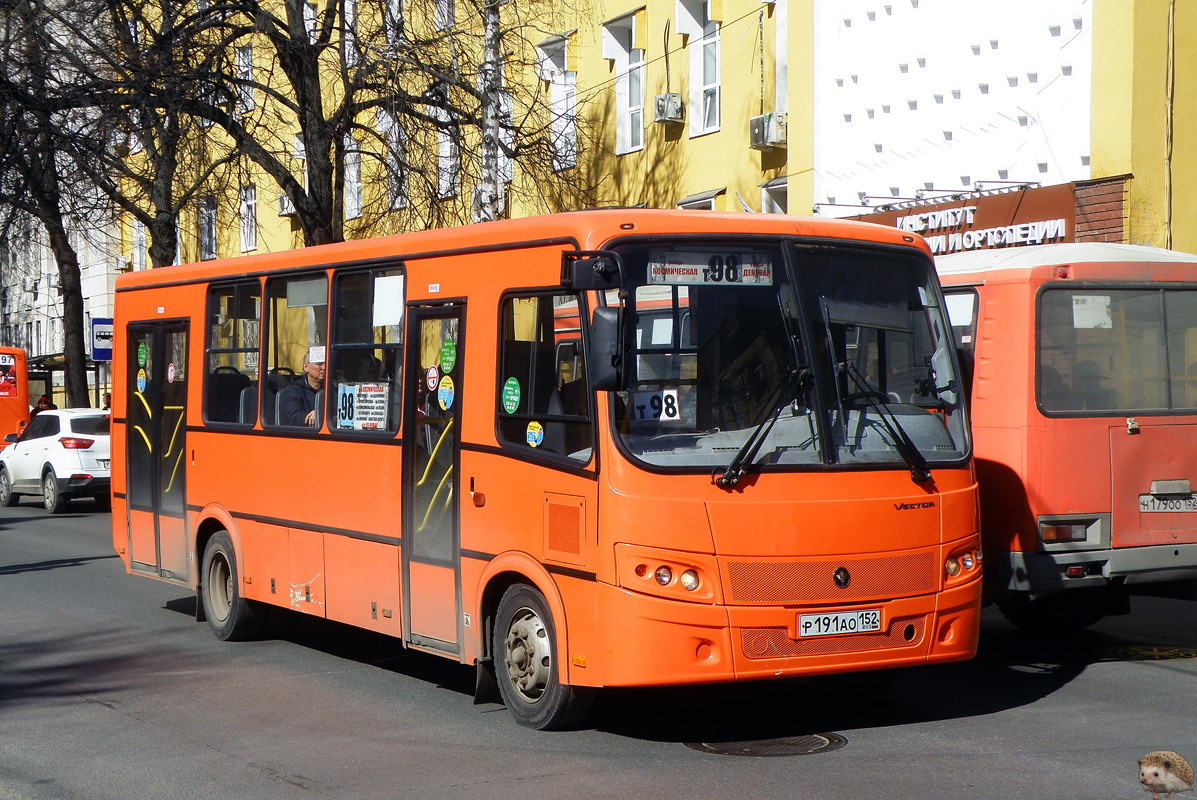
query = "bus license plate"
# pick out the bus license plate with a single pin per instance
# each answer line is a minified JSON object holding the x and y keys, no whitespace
{"x":1150,"y":503}
{"x":840,"y":622}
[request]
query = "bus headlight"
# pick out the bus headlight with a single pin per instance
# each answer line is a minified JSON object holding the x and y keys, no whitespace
{"x":952,"y":566}
{"x":689,"y":580}
{"x":664,"y":575}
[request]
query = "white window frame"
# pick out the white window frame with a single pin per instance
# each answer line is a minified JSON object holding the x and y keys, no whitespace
{"x":395,"y":23}
{"x":447,"y":157}
{"x":552,"y":67}
{"x":774,"y":199}
{"x":353,"y":179}
{"x":445,"y":14}
{"x":249,"y":218}
{"x":349,"y":38}
{"x":139,"y":246}
{"x":311,"y":22}
{"x":394,"y":139}
{"x":245,"y":76}
{"x":207,"y":229}
{"x":694,"y":20}
{"x":619,"y":47}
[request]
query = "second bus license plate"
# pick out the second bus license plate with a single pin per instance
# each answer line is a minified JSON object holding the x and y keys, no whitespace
{"x":1149,"y":503}
{"x":839,"y":622}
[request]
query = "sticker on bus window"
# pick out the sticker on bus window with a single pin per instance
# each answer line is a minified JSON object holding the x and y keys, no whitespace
{"x":705,"y":268}
{"x":511,"y":395}
{"x":448,"y":355}
{"x":444,"y":393}
{"x":651,"y":407}
{"x":141,"y":381}
{"x":362,"y":406}
{"x":432,"y":378}
{"x":1091,"y":311}
{"x":535,"y":434}
{"x":142,"y":352}
{"x":170,"y":373}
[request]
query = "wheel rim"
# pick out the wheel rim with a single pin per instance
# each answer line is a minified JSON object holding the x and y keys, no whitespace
{"x":220,"y":587}
{"x":528,"y":655}
{"x":49,"y":491}
{"x":5,"y":489}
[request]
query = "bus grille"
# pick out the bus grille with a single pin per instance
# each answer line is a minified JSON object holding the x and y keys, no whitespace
{"x":786,"y":582}
{"x":761,"y":643}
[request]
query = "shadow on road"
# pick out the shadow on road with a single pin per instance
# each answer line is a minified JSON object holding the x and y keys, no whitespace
{"x":46,"y":566}
{"x":1012,"y":669}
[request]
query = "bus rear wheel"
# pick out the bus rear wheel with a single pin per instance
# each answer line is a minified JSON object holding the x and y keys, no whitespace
{"x":230,"y":615}
{"x":526,"y":667}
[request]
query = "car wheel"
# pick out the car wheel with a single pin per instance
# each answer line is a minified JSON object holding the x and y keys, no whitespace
{"x":526,"y":664}
{"x":230,"y":615}
{"x":52,"y":497}
{"x":104,"y":502}
{"x":7,"y":496}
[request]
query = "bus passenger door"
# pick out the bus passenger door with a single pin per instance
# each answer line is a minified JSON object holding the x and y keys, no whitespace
{"x":156,"y":467}
{"x":431,"y":431}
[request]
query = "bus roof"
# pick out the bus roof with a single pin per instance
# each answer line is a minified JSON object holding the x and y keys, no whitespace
{"x":1046,"y":255}
{"x":588,"y":229}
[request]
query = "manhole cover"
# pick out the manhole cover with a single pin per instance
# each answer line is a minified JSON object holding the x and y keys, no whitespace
{"x":785,"y":746}
{"x":1147,"y":653}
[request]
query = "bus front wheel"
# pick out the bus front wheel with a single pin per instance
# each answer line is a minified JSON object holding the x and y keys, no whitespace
{"x":525,"y":655}
{"x":230,"y":615}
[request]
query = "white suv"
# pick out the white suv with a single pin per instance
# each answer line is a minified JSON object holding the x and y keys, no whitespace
{"x":60,"y":455}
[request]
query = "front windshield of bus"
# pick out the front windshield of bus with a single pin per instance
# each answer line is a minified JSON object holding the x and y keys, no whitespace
{"x":826,"y":354}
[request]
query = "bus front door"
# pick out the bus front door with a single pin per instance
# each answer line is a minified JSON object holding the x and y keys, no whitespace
{"x":432,"y":426}
{"x":155,"y":437}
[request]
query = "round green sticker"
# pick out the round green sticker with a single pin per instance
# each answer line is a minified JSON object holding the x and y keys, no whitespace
{"x":511,"y":395}
{"x":448,"y":355}
{"x":141,"y":354}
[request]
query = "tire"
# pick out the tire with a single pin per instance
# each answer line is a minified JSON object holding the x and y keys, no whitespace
{"x":8,"y":497}
{"x":526,"y":664}
{"x":104,"y":502}
{"x":231,"y":617}
{"x":52,"y":498}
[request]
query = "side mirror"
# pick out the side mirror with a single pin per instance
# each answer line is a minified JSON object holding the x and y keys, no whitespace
{"x":10,"y":438}
{"x":606,"y":354}
{"x":582,"y":270}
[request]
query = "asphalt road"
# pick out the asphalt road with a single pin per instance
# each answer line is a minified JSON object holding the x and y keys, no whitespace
{"x":110,"y":689}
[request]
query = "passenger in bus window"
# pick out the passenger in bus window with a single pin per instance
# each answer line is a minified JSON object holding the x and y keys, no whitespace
{"x":297,"y":402}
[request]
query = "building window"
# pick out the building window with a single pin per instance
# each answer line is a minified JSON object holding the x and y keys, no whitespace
{"x":394,"y":23}
{"x":245,"y":76}
{"x":207,"y":229}
{"x":310,"y":22}
{"x":249,"y":218}
{"x":353,"y":179}
{"x":563,"y":101}
{"x":394,"y":140}
{"x":703,"y":201}
{"x":619,"y":47}
{"x":694,"y":20}
{"x":138,"y":245}
{"x":445,"y":14}
{"x":349,"y":39}
{"x":447,"y":159}
{"x":773,"y":197}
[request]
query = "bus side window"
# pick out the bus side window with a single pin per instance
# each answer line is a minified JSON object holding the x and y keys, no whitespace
{"x":234,"y":319}
{"x":366,"y":362}
{"x":296,"y":328}
{"x":543,"y":402}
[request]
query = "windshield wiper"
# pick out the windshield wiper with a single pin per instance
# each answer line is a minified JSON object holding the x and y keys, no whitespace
{"x":919,"y":471}
{"x":739,"y":464}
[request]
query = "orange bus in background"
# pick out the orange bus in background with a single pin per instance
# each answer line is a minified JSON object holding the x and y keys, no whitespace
{"x":605,"y":448}
{"x":1082,"y":360}
{"x":14,"y":391}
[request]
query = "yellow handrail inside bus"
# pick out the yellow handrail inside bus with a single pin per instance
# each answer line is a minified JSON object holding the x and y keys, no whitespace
{"x":432,"y":502}
{"x":432,"y":455}
{"x":173,"y":472}
{"x":144,"y":404}
{"x":174,"y":435}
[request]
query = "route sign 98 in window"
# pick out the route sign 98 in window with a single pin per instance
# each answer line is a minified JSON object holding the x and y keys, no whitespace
{"x":708,"y":268}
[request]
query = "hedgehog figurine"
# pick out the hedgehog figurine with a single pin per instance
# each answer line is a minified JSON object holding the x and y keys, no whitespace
{"x":1164,"y":771}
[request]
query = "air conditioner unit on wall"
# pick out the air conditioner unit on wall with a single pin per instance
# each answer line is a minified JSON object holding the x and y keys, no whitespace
{"x":768,"y":131}
{"x":668,"y":108}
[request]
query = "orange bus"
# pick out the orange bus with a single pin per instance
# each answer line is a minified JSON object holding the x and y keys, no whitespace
{"x":1082,"y":362}
{"x":596,"y":449}
{"x":14,"y":390}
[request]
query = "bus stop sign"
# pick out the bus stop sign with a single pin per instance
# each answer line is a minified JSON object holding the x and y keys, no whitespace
{"x":101,"y":339}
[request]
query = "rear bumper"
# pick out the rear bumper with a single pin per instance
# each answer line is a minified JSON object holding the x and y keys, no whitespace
{"x":651,"y":641}
{"x":1045,"y":573}
{"x":88,"y":487}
